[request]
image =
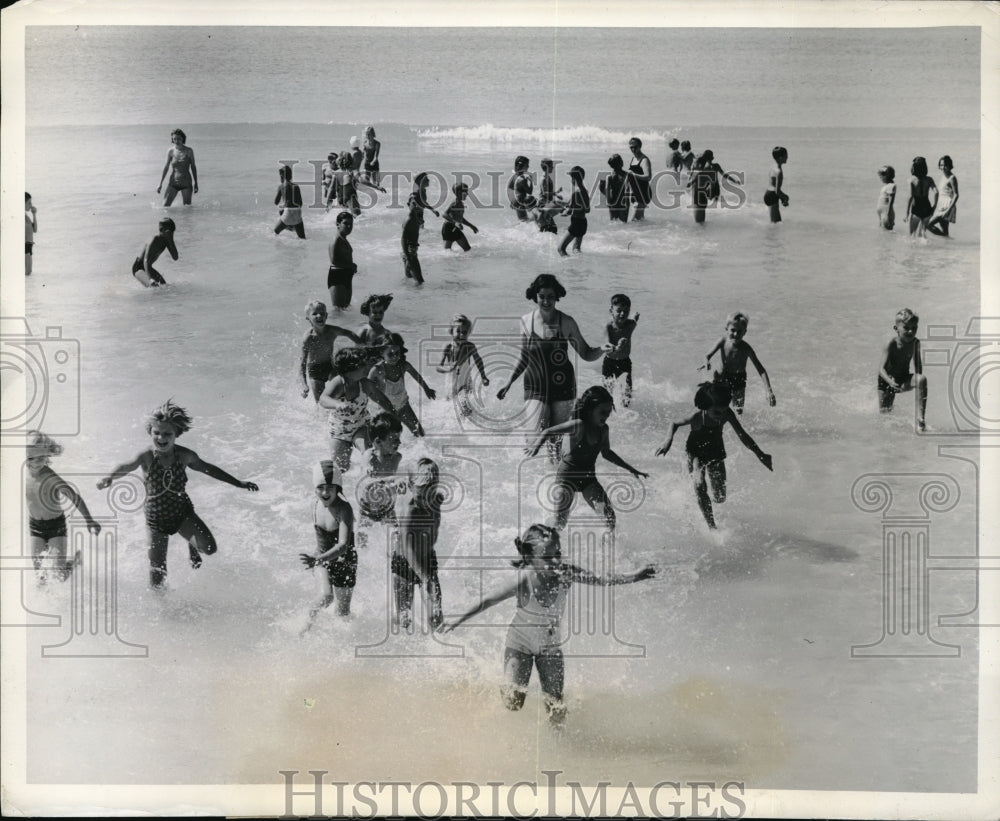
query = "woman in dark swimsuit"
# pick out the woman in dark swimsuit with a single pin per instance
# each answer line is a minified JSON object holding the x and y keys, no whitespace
{"x":371,"y":149}
{"x":640,"y":173}
{"x":183,"y":171}
{"x":920,"y":207}
{"x":549,"y":378}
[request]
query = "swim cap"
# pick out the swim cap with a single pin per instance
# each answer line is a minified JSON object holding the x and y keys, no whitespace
{"x":326,"y":473}
{"x":355,"y":142}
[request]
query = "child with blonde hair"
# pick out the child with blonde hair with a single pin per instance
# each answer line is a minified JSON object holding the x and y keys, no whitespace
{"x":734,"y":353}
{"x":457,"y":360}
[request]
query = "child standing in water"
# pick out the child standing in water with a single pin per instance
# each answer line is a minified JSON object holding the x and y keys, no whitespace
{"x":535,"y":634}
{"x":615,"y":189}
{"x":30,"y":227}
{"x":577,"y":209}
{"x":945,"y":212}
{"x":289,"y":202}
{"x":142,"y":268}
{"x":618,"y":361}
{"x":735,"y":353}
{"x":374,"y":307}
{"x":894,"y":374}
{"x":774,"y":197}
{"x":675,"y":162}
{"x":333,"y":523}
{"x":340,"y":277}
{"x":168,"y":508}
{"x":389,"y":376}
{"x":706,"y":452}
{"x":317,"y":349}
{"x":920,"y":206}
{"x":414,"y":560}
{"x":587,"y":437}
{"x":457,"y":360}
{"x":371,"y":150}
{"x":885,"y":209}
{"x":549,"y":201}
{"x":454,"y":219}
{"x":410,"y":241}
{"x":45,"y":491}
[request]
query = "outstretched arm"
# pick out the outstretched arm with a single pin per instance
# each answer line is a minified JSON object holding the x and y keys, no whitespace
{"x":556,"y":430}
{"x":484,"y":604}
{"x":70,"y":493}
{"x":708,"y":357}
{"x":195,"y":462}
{"x":479,"y":364}
{"x":428,"y":390}
{"x":615,"y":459}
{"x":747,"y":439}
{"x":578,"y":574}
{"x":580,"y":344}
{"x":122,"y":470}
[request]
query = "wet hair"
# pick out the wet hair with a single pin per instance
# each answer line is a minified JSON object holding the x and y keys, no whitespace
{"x":383,"y":424}
{"x":576,"y":173}
{"x":947,"y":161}
{"x":27,"y":196}
{"x":706,"y":156}
{"x":547,"y":164}
{"x":350,"y":359}
{"x":887,"y":173}
{"x":616,"y":161}
{"x":178,"y":133}
{"x":166,"y":224}
{"x":635,"y":141}
{"x":621,"y":299}
{"x":686,"y":145}
{"x":385,"y":300}
{"x":391,"y":339}
{"x":544,"y":281}
{"x":459,"y":186}
{"x":919,"y":167}
{"x":535,"y":535}
{"x":313,"y":304}
{"x":710,"y":394}
{"x":520,"y":162}
{"x":420,"y":179}
{"x":461,"y":319}
{"x":592,"y":397}
{"x":42,"y":445}
{"x":332,"y":156}
{"x":674,"y":144}
{"x":345,"y":161}
{"x":906,"y":315}
{"x":343,"y":216}
{"x":779,"y":151}
{"x":738,"y":318}
{"x":284,"y":172}
{"x":172,"y":414}
{"x":369,"y":130}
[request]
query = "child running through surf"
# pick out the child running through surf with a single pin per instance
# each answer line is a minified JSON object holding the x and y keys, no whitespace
{"x":289,"y":202}
{"x":535,"y":637}
{"x":389,"y":376}
{"x":894,"y":374}
{"x":317,"y":349}
{"x":45,"y":493}
{"x":587,"y":437}
{"x":456,"y":361}
{"x":333,"y":524}
{"x":735,"y":352}
{"x":618,"y":361}
{"x":168,"y":508}
{"x":376,"y":491}
{"x":374,"y":307}
{"x":163,"y":240}
{"x":706,"y":452}
{"x":454,"y":219}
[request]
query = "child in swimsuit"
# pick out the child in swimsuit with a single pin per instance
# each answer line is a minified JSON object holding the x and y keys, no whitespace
{"x":535,"y":633}
{"x":289,"y":202}
{"x":30,"y":228}
{"x":920,"y":207}
{"x":376,"y":492}
{"x":577,"y":209}
{"x":687,"y":155}
{"x":410,"y":240}
{"x":520,"y":189}
{"x":340,"y":277}
{"x":618,"y":361}
{"x":316,"y":365}
{"x":885,"y":208}
{"x":616,"y":190}
{"x":549,"y":201}
{"x":142,"y":268}
{"x":372,"y":147}
{"x":586,"y":437}
{"x":413,"y":561}
{"x":168,"y":508}
{"x":389,"y":376}
{"x":945,"y":212}
{"x":706,"y":452}
{"x":346,"y":398}
{"x":457,"y":360}
{"x":45,"y":491}
{"x":328,"y":171}
{"x":775,"y":197}
{"x":894,"y":374}
{"x":374,"y":307}
{"x":454,"y":219}
{"x":333,"y":523}
{"x":183,"y":171}
{"x":735,"y":353}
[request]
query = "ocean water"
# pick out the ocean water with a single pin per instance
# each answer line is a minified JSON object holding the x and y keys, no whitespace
{"x":746,"y":670}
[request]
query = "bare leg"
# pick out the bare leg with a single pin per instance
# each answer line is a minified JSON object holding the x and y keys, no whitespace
{"x":199,"y":537}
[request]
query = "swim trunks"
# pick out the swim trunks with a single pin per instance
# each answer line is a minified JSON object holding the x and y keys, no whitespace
{"x":28,"y":246}
{"x":320,"y":371}
{"x":291,"y":216}
{"x":154,"y":275}
{"x":343,"y":570}
{"x":400,"y":567}
{"x":577,"y":227}
{"x":450,"y":232}
{"x":46,"y":529}
{"x":339,"y":277}
{"x":613,"y":368}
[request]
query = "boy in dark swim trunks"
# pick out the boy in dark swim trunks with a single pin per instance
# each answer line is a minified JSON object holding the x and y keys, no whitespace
{"x":340,"y":277}
{"x":706,"y":452}
{"x":333,"y":522}
{"x":577,"y":209}
{"x":318,"y":348}
{"x":142,"y":268}
{"x":618,"y":362}
{"x":735,"y":353}
{"x":894,"y":375}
